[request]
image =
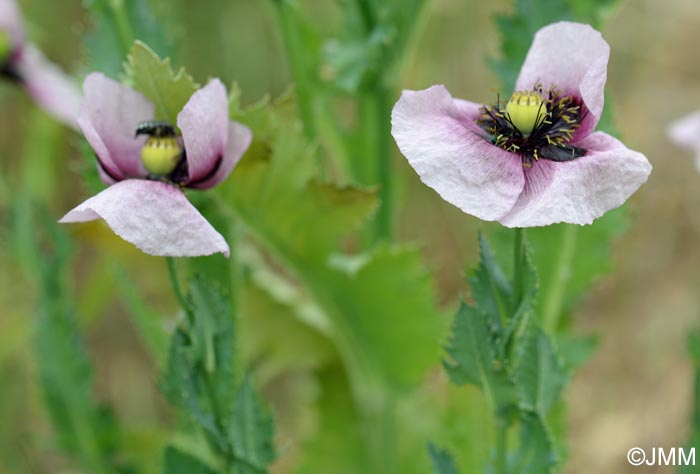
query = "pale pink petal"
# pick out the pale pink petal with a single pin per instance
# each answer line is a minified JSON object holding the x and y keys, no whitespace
{"x":580,"y":190}
{"x":685,"y":132}
{"x":438,"y":136}
{"x":50,"y":87}
{"x":204,"y":124}
{"x":11,"y":21}
{"x":154,"y":216}
{"x":239,"y":138}
{"x":108,"y":118}
{"x":574,"y":58}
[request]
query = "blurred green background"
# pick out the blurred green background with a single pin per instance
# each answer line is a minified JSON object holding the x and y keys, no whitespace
{"x":635,"y":391}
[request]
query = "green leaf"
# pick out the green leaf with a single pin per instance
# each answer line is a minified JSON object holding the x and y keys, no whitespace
{"x":200,"y":376}
{"x":474,"y":357}
{"x":179,"y":462}
{"x":155,"y":79}
{"x":251,"y":432}
{"x":442,"y":460}
{"x":539,"y":375}
{"x":535,"y":453}
{"x":116,"y":24}
{"x":568,"y":259}
{"x":378,"y":304}
{"x":384,"y":305}
{"x":85,"y":430}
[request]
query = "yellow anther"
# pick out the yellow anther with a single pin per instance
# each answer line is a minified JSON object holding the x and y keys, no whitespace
{"x":526,"y":110}
{"x":160,"y":155}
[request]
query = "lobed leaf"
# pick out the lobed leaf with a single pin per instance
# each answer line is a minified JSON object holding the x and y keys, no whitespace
{"x":155,"y":79}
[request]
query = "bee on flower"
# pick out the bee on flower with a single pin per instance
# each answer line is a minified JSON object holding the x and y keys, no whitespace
{"x":148,"y":163}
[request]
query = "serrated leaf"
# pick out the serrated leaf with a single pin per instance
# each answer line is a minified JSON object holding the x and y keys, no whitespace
{"x":473,"y":357}
{"x":539,"y":375}
{"x":251,"y":432}
{"x":535,"y":454}
{"x":442,"y":460}
{"x":154,"y":78}
{"x":200,"y":373}
{"x":115,"y":26}
{"x":179,"y":462}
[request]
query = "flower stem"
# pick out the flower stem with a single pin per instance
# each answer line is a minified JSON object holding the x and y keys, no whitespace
{"x":126,"y":34}
{"x":502,"y":448}
{"x":554,"y":297}
{"x":177,"y":289}
{"x":519,"y":267}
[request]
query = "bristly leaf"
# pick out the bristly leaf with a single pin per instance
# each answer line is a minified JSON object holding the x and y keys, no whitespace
{"x":536,"y":454}
{"x":155,"y":79}
{"x":115,"y":26}
{"x":539,"y":375}
{"x":251,"y":432}
{"x":201,"y":377}
{"x":442,"y":460}
{"x":178,"y":462}
{"x":474,"y":358}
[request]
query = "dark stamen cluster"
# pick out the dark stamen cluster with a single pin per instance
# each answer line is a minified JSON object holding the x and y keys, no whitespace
{"x":557,"y":121}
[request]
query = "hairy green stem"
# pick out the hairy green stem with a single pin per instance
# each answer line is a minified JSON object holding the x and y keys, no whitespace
{"x":519,"y":267}
{"x":502,"y":448}
{"x":121,"y":19}
{"x":553,"y":298}
{"x":177,"y":288}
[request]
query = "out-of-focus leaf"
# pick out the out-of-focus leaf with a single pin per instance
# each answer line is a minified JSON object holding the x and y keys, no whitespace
{"x":84,"y":429}
{"x":536,"y":454}
{"x":442,"y":460}
{"x":518,"y":28}
{"x":301,"y":221}
{"x":155,"y":79}
{"x":539,"y":375}
{"x":115,"y":26}
{"x":178,"y":462}
{"x":384,"y":306}
{"x":251,"y":432}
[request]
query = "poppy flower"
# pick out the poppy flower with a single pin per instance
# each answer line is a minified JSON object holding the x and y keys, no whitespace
{"x":534,"y":160}
{"x":149,"y":163}
{"x":685,"y":132}
{"x":23,"y":63}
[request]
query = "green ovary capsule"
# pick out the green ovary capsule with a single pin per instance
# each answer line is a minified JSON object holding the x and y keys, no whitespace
{"x":526,"y":110}
{"x":160,"y":155}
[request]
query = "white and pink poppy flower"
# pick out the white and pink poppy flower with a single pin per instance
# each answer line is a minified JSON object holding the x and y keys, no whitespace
{"x":534,"y":160}
{"x":148,"y":163}
{"x":24,"y":64}
{"x":685,"y":132}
